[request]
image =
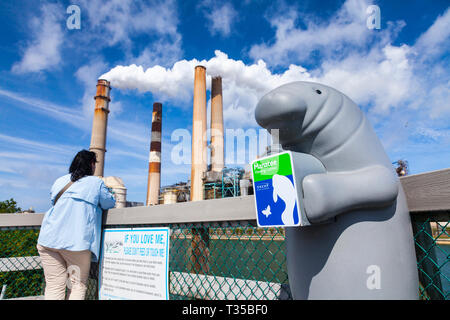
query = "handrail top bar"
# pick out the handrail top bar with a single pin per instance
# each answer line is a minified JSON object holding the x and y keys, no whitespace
{"x":214,"y":210}
{"x":425,"y":192}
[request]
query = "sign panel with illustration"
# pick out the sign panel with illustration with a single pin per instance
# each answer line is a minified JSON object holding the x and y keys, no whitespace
{"x":275,"y":191}
{"x":134,"y":264}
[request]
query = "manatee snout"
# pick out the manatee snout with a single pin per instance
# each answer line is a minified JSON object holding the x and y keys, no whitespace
{"x":280,"y":109}
{"x":290,"y":108}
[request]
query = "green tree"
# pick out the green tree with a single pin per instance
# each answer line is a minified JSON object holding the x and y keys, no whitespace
{"x":9,"y":206}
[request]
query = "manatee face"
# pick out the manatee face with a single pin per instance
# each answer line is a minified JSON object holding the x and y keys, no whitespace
{"x":290,"y":108}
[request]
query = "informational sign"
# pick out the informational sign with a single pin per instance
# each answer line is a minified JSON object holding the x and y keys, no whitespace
{"x":275,"y":191}
{"x":134,"y":264}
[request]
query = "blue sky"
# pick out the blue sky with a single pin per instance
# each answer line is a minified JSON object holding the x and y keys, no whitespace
{"x":398,"y":74}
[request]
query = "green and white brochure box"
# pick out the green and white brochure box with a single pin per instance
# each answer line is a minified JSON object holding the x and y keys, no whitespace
{"x":277,"y":185}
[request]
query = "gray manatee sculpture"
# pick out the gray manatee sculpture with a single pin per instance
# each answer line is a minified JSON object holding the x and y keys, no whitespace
{"x":360,"y":243}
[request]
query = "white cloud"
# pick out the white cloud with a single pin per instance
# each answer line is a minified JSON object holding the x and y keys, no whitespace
{"x":363,"y":63}
{"x":399,"y":89}
{"x":164,"y":52}
{"x":130,"y":134}
{"x":61,"y":113}
{"x":36,"y":146}
{"x":430,"y":54}
{"x":344,"y":30}
{"x":117,"y":21}
{"x":44,"y":50}
{"x":383,"y":78}
{"x":435,"y":40}
{"x":220,"y":17}
{"x":29,"y":167}
{"x":105,"y":24}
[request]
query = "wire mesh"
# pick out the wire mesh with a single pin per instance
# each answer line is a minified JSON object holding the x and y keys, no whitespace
{"x":20,"y":270}
{"x":432,"y":241}
{"x":227,"y":261}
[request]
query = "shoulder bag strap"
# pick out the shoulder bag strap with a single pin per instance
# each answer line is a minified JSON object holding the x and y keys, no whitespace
{"x":62,"y":191}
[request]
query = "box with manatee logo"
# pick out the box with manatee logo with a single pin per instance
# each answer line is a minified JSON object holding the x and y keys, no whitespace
{"x":275,"y":190}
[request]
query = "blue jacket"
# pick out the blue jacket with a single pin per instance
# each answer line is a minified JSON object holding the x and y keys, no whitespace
{"x":74,"y":223}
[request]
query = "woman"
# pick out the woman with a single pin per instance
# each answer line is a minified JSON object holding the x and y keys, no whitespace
{"x":71,"y":229}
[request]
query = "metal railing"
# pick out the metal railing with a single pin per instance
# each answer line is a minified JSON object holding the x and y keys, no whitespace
{"x":233,"y":260}
{"x":218,"y":252}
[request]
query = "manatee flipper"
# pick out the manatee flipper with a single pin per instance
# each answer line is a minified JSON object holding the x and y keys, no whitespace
{"x":328,"y":194}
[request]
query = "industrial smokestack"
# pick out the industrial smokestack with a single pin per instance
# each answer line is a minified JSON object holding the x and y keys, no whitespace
{"x":154,"y":165}
{"x":199,"y":158}
{"x":98,"y":137}
{"x":217,"y":154}
{"x":199,"y":251}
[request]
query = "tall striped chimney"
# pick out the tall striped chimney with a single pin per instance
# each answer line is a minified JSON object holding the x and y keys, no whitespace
{"x":154,"y":165}
{"x":199,"y":146}
{"x":217,"y":154}
{"x":99,"y":125}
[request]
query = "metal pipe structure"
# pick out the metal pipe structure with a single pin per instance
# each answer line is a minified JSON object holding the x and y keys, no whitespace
{"x":199,"y":146}
{"x":99,"y":125}
{"x":217,"y":145}
{"x":154,"y":165}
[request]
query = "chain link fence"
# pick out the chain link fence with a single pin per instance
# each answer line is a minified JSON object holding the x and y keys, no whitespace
{"x":432,"y":241}
{"x":228,"y":261}
{"x":21,"y":274}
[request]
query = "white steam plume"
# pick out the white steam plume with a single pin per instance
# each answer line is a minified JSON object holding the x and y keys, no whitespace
{"x":243,"y":85}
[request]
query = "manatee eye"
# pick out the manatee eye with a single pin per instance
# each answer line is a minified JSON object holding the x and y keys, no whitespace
{"x":318,"y":91}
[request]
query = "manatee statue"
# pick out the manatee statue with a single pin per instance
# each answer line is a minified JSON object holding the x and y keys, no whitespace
{"x":284,"y":189}
{"x":360,"y":242}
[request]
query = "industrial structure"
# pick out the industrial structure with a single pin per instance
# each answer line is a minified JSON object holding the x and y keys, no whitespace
{"x":98,"y":142}
{"x":99,"y":124}
{"x":154,"y":164}
{"x":199,"y":141}
{"x":207,"y":181}
{"x":214,"y":180}
{"x":217,"y":146}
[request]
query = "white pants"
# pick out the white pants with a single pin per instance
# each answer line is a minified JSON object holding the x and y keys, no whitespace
{"x":64,"y":268}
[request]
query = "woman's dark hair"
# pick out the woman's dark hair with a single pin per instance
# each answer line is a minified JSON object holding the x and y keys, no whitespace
{"x":82,"y":165}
